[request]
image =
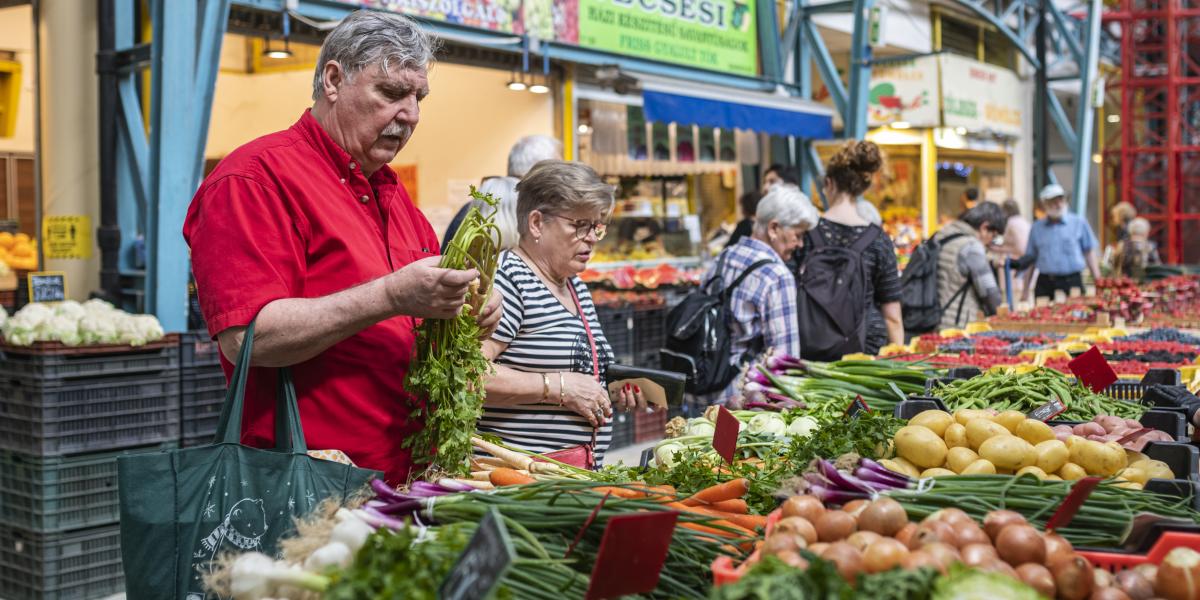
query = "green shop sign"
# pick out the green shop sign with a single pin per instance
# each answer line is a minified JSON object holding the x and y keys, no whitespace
{"x":718,"y":35}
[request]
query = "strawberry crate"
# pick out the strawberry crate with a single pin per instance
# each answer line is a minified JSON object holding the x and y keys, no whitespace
{"x":74,"y":565}
{"x":57,"y":418}
{"x":47,"y":494}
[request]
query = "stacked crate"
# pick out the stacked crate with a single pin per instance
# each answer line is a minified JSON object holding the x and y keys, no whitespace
{"x":201,"y":388}
{"x":649,"y":334}
{"x":66,"y":414}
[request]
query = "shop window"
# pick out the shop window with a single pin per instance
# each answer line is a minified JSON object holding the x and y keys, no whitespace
{"x":18,"y":192}
{"x":973,"y":39}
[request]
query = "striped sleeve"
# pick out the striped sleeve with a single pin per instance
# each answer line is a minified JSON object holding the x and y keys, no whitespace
{"x":513,"y":305}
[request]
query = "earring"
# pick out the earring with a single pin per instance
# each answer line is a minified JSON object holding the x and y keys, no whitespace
{"x":537,"y":240}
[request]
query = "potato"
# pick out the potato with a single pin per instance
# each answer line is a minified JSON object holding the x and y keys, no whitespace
{"x":1135,"y":475}
{"x":956,"y":436}
{"x":979,"y":430}
{"x":904,"y":469}
{"x":1097,"y":458}
{"x":1040,"y":474}
{"x":937,"y":472}
{"x":936,"y":420}
{"x":979,"y":467}
{"x":1034,"y":431}
{"x":1072,"y":472}
{"x":1006,"y":452}
{"x":1074,"y":439}
{"x":1053,"y":477}
{"x":920,"y":446}
{"x":1052,"y":455}
{"x":967,"y":415}
{"x":1130,"y":485}
{"x":1010,"y":419}
{"x":1133,"y":457}
{"x":959,"y":458}
{"x":1155,"y":469}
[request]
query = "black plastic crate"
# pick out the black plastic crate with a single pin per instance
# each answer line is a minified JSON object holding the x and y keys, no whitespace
{"x":198,"y":351}
{"x":649,"y":333}
{"x":66,"y":363}
{"x":622,"y":431}
{"x":201,"y":397}
{"x":617,"y":325}
{"x":89,"y":415}
{"x":75,"y":565}
{"x":48,"y":494}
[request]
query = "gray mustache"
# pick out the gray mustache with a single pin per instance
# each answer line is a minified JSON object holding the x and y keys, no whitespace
{"x":400,"y":131}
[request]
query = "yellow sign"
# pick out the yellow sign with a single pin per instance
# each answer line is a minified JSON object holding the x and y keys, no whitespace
{"x":67,"y":236}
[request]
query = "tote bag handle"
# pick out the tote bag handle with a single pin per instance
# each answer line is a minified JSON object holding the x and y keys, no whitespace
{"x":289,"y":435}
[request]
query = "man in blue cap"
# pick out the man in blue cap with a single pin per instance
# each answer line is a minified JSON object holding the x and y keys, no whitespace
{"x":1061,"y":245}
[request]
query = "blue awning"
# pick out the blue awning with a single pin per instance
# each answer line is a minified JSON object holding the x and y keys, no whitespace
{"x":709,"y":107}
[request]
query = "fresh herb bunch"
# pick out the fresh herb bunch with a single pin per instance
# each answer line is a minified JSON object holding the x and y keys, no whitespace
{"x":771,"y":579}
{"x":396,"y":565}
{"x":448,"y":371}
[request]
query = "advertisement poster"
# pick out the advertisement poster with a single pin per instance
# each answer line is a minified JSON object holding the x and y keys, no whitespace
{"x":980,"y":97}
{"x":494,"y":15}
{"x":904,"y":92}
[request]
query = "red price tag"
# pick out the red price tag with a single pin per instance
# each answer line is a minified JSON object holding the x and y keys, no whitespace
{"x":725,"y":436}
{"x":1070,"y":505}
{"x":632,"y":553}
{"x":856,"y":406}
{"x":1092,"y":370}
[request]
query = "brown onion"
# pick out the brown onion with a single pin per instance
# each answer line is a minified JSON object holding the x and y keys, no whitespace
{"x":1073,"y":577}
{"x":904,"y":536}
{"x":835,"y":525}
{"x":1135,"y":585}
{"x":783,"y":542}
{"x":953,"y":516}
{"x":969,"y":533}
{"x":883,"y":555}
{"x":1057,"y":547}
{"x":849,"y":560}
{"x":1179,"y":575}
{"x":855,"y":507}
{"x":1109,"y":593}
{"x":862,"y":539}
{"x":999,"y":519}
{"x":796,"y":526}
{"x":933,"y":532}
{"x":1103,"y":578}
{"x":998,"y":566}
{"x":807,"y":507}
{"x":1037,"y":577}
{"x":974,"y":555}
{"x":1020,"y":544}
{"x":818,"y":548}
{"x":922,"y":559}
{"x":1149,"y":571}
{"x":884,"y":516}
{"x":792,"y":558}
{"x":945,"y":554}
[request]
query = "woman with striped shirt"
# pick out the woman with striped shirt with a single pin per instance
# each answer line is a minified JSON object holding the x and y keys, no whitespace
{"x":547,"y":392}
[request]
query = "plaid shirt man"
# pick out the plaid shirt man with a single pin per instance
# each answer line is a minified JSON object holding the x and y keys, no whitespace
{"x":763,"y":306}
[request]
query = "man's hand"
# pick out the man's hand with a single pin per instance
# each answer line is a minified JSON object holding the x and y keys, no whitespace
{"x":424,"y":290}
{"x":489,"y":317}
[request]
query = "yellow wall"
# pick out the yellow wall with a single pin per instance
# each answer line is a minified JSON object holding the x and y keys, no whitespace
{"x":16,"y":35}
{"x":468,"y":124}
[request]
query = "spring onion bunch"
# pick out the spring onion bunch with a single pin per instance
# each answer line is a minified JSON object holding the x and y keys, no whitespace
{"x":829,"y":387}
{"x":448,"y":370}
{"x":1104,"y":520}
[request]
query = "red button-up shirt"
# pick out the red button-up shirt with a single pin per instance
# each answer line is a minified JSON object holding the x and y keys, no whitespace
{"x":292,"y":215}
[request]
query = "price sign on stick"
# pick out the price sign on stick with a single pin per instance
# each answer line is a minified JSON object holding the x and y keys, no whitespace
{"x":725,"y":436}
{"x":47,"y":286}
{"x":1049,"y":410}
{"x":1092,"y":370}
{"x":631,"y":556}
{"x":858,"y":405}
{"x":483,"y":564}
{"x":1070,"y":505}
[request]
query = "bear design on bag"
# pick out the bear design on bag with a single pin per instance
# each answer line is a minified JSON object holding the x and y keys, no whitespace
{"x":241,"y":530}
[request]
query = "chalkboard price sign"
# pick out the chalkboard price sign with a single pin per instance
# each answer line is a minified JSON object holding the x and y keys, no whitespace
{"x":47,"y":286}
{"x":483,"y":564}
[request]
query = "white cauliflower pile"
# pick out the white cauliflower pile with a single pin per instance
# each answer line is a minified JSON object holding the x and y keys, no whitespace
{"x":75,"y":324}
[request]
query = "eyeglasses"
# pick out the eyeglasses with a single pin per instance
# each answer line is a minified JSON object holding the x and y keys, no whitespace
{"x":582,"y":227}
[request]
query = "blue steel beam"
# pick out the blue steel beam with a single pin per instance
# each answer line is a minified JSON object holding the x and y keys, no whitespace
{"x":860,"y":72}
{"x":1086,"y":119}
{"x":829,"y":74}
{"x":133,"y":151}
{"x":983,"y":13}
{"x":1064,"y":32}
{"x":769,"y":51}
{"x":1059,"y":115}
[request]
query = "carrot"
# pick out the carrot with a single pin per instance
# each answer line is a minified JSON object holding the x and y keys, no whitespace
{"x":751,"y":522}
{"x":721,"y":518}
{"x":736,"y":506}
{"x":721,"y":491}
{"x":503,"y":477}
{"x":620,"y":492}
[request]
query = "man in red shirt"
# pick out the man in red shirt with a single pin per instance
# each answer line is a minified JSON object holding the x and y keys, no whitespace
{"x":309,"y":231}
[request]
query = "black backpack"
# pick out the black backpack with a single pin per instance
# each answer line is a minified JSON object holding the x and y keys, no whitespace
{"x":919,"y":287}
{"x":831,"y":296}
{"x":698,"y":334}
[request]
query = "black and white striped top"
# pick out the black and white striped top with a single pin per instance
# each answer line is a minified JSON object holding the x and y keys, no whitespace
{"x":544,"y":337}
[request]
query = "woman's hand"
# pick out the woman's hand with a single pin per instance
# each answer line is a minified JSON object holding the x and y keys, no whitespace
{"x":586,"y":397}
{"x":630,"y":398}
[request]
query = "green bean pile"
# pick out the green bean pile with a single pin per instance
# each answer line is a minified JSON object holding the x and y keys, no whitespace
{"x":447,"y":373}
{"x":1027,"y":391}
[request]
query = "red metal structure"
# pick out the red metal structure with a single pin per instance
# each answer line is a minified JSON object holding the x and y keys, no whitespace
{"x":1153,"y":159}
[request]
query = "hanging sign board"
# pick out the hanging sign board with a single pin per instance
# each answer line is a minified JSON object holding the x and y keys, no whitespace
{"x":67,"y":236}
{"x":904,"y":92}
{"x":980,"y":97}
{"x":492,"y":15}
{"x":47,"y":286}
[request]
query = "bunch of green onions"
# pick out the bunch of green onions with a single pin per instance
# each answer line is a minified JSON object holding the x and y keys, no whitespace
{"x":882,"y":383}
{"x":447,"y":376}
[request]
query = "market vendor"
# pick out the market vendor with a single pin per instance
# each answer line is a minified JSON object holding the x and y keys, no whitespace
{"x":1060,"y":245}
{"x":309,"y":233}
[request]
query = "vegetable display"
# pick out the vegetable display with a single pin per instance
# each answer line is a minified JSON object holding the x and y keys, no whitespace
{"x":448,"y":371}
{"x":79,"y":324}
{"x":1025,"y":392}
{"x":826,"y":389}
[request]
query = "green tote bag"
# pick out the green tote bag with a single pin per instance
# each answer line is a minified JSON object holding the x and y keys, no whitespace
{"x":181,"y":509}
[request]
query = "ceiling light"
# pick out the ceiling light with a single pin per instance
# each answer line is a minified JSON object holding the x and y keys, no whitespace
{"x":516,"y":85}
{"x":539,"y":88}
{"x":277,"y":53}
{"x":1114,"y":118}
{"x":901,"y":125}
{"x":583,"y":128}
{"x":1096,"y":158}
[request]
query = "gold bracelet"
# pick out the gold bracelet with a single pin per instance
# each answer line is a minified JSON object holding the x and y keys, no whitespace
{"x":562,"y":394}
{"x":545,"y":387}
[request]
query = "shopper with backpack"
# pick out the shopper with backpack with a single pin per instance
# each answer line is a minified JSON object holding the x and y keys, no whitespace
{"x":747,"y":304}
{"x":847,"y":268}
{"x":966,"y":283}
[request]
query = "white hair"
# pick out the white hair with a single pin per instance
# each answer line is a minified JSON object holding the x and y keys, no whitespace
{"x":786,"y":205}
{"x":368,"y":37}
{"x":531,"y":150}
{"x":504,"y":189}
{"x":1139,"y":227}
